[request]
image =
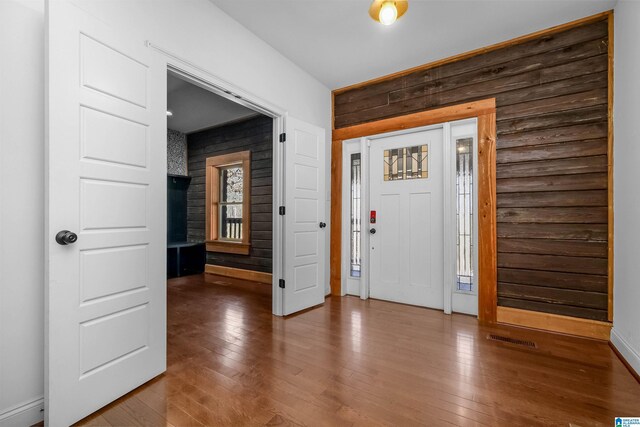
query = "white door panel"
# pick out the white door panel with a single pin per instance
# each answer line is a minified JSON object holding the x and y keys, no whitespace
{"x":406,"y":255}
{"x":305,"y":207}
{"x":106,"y":145}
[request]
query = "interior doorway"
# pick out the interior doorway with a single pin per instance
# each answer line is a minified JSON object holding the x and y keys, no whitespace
{"x":409,"y":206}
{"x":219,"y":184}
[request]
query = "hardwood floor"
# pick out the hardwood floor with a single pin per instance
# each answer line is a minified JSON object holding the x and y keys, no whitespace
{"x":354,"y":362}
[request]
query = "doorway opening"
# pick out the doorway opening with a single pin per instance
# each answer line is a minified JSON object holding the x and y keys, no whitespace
{"x":409,"y":213}
{"x":219,"y":186}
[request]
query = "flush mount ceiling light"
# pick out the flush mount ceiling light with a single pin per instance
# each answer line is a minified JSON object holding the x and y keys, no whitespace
{"x":387,"y":12}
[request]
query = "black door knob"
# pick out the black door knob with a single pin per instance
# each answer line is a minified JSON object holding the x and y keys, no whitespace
{"x":323,"y":225}
{"x":372,"y":230}
{"x":66,"y":237}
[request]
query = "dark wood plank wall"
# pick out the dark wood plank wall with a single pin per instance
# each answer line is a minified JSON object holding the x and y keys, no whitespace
{"x":551,"y":97}
{"x":256,"y":135}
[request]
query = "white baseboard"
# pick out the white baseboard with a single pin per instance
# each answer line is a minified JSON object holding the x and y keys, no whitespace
{"x":23,"y":415}
{"x":624,"y":348}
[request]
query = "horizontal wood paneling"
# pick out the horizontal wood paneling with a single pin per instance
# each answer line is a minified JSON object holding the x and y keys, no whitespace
{"x":567,"y":133}
{"x":570,"y":166}
{"x":554,"y":279}
{"x":553,"y":199}
{"x":256,"y":135}
{"x":554,"y":247}
{"x":553,"y":296}
{"x":594,"y":232}
{"x":567,"y":264}
{"x":552,"y":95}
{"x":573,"y":215}
{"x":591,"y":181}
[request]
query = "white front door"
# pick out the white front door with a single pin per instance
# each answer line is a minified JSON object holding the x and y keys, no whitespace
{"x":406,"y":240}
{"x":304,"y":224}
{"x":106,"y":168}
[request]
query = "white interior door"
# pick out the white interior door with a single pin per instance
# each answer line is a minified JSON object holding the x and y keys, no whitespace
{"x":304,"y":224}
{"x":106,"y":159}
{"x":406,"y":191}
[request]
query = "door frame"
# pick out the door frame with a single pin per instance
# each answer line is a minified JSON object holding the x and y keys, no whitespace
{"x":206,"y":80}
{"x":485,"y":112}
{"x":451,"y":296}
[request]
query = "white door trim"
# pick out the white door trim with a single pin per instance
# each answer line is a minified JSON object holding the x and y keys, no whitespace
{"x":205,"y":79}
{"x":365,"y":207}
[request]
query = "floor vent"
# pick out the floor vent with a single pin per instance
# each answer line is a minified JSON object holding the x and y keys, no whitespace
{"x":510,"y":340}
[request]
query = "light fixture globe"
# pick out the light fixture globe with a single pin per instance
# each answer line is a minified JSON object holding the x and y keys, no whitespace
{"x":387,"y":11}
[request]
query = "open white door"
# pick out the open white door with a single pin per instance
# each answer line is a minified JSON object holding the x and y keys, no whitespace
{"x":304,"y":225}
{"x":106,"y":159}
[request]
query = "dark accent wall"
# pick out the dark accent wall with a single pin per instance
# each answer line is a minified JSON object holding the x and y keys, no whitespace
{"x":256,"y":135}
{"x":552,"y":96}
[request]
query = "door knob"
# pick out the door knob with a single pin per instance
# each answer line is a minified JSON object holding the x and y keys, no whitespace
{"x":372,"y":230}
{"x":66,"y":237}
{"x":322,"y":225}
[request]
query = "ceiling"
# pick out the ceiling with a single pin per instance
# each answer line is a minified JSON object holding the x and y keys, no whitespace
{"x":338,"y":43}
{"x":195,"y":108}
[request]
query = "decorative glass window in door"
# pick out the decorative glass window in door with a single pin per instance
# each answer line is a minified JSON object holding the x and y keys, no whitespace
{"x":355,"y":214}
{"x":464,"y":214}
{"x":406,"y":163}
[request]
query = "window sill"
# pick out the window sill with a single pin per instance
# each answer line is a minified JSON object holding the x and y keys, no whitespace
{"x":237,"y":248}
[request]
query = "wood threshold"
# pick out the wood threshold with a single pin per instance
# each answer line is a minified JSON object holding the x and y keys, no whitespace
{"x":518,"y":40}
{"x":485,"y":112}
{"x":239,"y":273}
{"x":585,"y":328}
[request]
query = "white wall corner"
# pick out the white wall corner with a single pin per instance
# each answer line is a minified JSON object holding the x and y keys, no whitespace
{"x":630,"y":355}
{"x":25,"y":414}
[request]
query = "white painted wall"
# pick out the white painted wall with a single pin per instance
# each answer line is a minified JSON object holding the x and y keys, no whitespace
{"x":195,"y":30}
{"x":626,"y":296}
{"x":21,"y":211}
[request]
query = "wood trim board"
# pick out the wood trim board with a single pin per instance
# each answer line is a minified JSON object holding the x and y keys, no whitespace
{"x":586,"y":328}
{"x":238,"y":273}
{"x":484,"y":110}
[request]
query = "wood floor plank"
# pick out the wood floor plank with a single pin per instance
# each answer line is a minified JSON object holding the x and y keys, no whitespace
{"x":363,"y":363}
